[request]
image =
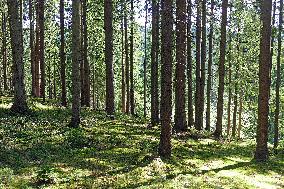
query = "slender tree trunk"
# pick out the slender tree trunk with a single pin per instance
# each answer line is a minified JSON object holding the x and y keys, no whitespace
{"x":122,"y":63}
{"x":154,"y":64}
{"x":94,"y":87}
{"x":21,"y":19}
{"x":261,"y":152}
{"x":132,"y":106}
{"x":4,"y":51}
{"x":278,"y":79}
{"x":86,"y":68}
{"x":180,"y":77}
{"x":230,"y":93}
{"x":272,"y":40}
{"x":82,"y":72}
{"x":49,"y":79}
{"x":54,"y":79}
{"x":203,"y":61}
{"x":145,"y":59}
{"x":240,"y":115}
{"x":198,"y":112}
{"x":75,"y":120}
{"x":41,"y":48}
{"x":235,"y":113}
{"x":209,"y":77}
{"x":62,"y":56}
{"x":166,"y":77}
{"x":37,"y":54}
{"x":108,"y":18}
{"x":126,"y":61}
{"x":189,"y":65}
{"x":220,"y":103}
{"x":19,"y":102}
{"x":32,"y":54}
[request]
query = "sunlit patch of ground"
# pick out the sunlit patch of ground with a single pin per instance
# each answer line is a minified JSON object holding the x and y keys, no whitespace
{"x":40,"y":151}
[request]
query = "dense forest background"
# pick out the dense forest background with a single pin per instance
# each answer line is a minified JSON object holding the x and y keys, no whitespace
{"x":179,"y":69}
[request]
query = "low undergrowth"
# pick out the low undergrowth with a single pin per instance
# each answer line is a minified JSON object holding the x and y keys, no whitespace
{"x":40,"y":151}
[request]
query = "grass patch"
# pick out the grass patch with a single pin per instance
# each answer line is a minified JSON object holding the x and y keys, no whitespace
{"x":40,"y":151}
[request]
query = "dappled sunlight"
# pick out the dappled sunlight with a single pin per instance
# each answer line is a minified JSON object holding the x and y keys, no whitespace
{"x":256,"y":180}
{"x":40,"y":150}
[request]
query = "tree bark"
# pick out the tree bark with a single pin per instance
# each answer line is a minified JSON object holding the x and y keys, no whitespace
{"x":278,"y":79}
{"x":209,"y":77}
{"x":154,"y":64}
{"x":41,"y":48}
{"x":261,"y":153}
{"x":166,"y":77}
{"x":203,"y":62}
{"x":122,"y":62}
{"x":240,"y":115}
{"x":37,"y":54}
{"x":132,"y":105}
{"x":86,"y":67}
{"x":76,"y":56}
{"x":109,"y":56}
{"x":54,"y":80}
{"x":62,"y":56}
{"x":189,"y":65}
{"x":19,"y":101}
{"x":198,"y":68}
{"x":4,"y":51}
{"x":234,"y":127}
{"x":32,"y":54}
{"x":230,"y":92}
{"x":126,"y":60}
{"x":220,"y":103}
{"x":180,"y":78}
{"x":145,"y":61}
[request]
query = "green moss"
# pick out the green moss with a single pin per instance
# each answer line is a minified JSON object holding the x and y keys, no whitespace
{"x":40,"y":151}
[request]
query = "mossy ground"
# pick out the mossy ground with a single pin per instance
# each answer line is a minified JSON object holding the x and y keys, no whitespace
{"x":40,"y":151}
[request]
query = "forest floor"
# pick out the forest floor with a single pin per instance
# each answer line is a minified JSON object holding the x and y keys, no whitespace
{"x":40,"y":151}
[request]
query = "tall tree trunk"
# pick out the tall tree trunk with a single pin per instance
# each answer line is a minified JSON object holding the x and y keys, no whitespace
{"x":198,"y":68}
{"x":203,"y":61}
{"x":126,"y":60}
{"x":209,"y":77}
{"x":145,"y":60}
{"x":278,"y":79}
{"x":122,"y":62}
{"x":166,"y":77}
{"x":32,"y":54}
{"x":94,"y":87}
{"x":261,"y":152}
{"x":86,"y":66}
{"x":154,"y":64}
{"x":19,"y":102}
{"x":180,"y":78}
{"x":4,"y":51}
{"x":240,"y":115}
{"x":234,"y":127}
{"x":37,"y":55}
{"x":41,"y":48}
{"x":132,"y":106}
{"x":272,"y":40}
{"x":109,"y":56}
{"x":189,"y":65}
{"x":230,"y":92}
{"x":54,"y":79}
{"x":220,"y":103}
{"x":49,"y":78}
{"x":62,"y":56}
{"x":75,"y":120}
{"x":21,"y":18}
